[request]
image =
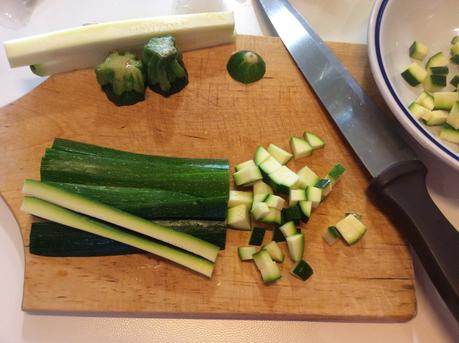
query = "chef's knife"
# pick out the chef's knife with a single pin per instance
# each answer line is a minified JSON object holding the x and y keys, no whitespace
{"x":398,"y":176}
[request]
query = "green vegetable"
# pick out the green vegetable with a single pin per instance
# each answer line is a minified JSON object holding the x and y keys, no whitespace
{"x":302,"y":270}
{"x":246,"y":66}
{"x":47,"y":210}
{"x":238,"y":218}
{"x":331,"y":235}
{"x":166,"y":73}
{"x":278,"y":236}
{"x":53,"y":239}
{"x":198,"y":179}
{"x":152,"y":203}
{"x":274,"y":251}
{"x":256,"y":238}
{"x":83,"y":205}
{"x":122,"y":78}
{"x":291,"y":214}
{"x":246,"y":253}
{"x":418,"y":50}
{"x":87,"y":45}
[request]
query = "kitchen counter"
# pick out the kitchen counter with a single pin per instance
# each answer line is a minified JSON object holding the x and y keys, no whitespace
{"x":334,"y":20}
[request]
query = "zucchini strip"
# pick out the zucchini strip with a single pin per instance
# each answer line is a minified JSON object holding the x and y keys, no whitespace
{"x":63,"y":216}
{"x":118,"y":217}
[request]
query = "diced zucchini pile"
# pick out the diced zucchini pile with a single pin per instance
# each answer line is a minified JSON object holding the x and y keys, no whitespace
{"x":280,"y":197}
{"x":350,"y":228}
{"x":438,"y":104}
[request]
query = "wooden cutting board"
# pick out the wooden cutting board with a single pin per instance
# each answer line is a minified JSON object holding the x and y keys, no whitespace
{"x":213,"y":117}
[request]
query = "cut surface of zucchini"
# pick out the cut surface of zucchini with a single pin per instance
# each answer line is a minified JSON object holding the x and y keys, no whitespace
{"x":444,"y":100}
{"x":351,"y":229}
{"x":306,"y":177}
{"x":284,"y":176}
{"x":437,"y":60}
{"x":314,"y":141}
{"x":270,"y":273}
{"x":246,"y":253}
{"x":295,"y":196}
{"x":270,"y":165}
{"x":261,"y":155}
{"x":300,"y":147}
{"x":240,"y":198}
{"x":288,"y":229}
{"x":454,"y":81}
{"x":238,"y":218}
{"x":274,"y":251}
{"x":305,"y":209}
{"x":453,"y":116}
{"x":435,"y":118}
{"x":277,"y":235}
{"x":273,"y":217}
{"x":455,"y":53}
{"x":418,"y":50}
{"x":434,"y":82}
{"x":325,"y":185}
{"x":335,"y":173}
{"x":449,"y":134}
{"x":314,"y":195}
{"x":425,"y":100}
{"x":417,"y":110}
{"x":295,"y":245}
{"x":291,"y":214}
{"x":279,"y":154}
{"x":247,"y":176}
{"x":414,"y":74}
{"x":275,"y":201}
{"x":260,"y":210}
{"x":331,"y":235}
{"x":242,"y":165}
{"x":302,"y":270}
{"x":262,"y":259}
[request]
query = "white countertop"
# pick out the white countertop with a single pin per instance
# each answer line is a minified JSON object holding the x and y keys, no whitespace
{"x":334,"y":20}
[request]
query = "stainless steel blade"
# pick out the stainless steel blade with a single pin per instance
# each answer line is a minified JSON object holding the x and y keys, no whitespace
{"x":370,"y":132}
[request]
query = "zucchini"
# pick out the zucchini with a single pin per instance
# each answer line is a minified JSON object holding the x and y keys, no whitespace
{"x":260,"y":210}
{"x":435,"y":118}
{"x":455,"y":53}
{"x":414,"y":74}
{"x":314,"y":141}
{"x":277,"y":235}
{"x":202,"y":180}
{"x":246,"y":66}
{"x":351,"y":229}
{"x":453,"y":116}
{"x":47,"y":210}
{"x":331,"y":235}
{"x":246,"y":253}
{"x":437,"y":60}
{"x":261,"y":154}
{"x":434,"y":82}
{"x":86,"y":46}
{"x":302,"y":270}
{"x":279,"y":154}
{"x":288,"y":229}
{"x":305,"y":209}
{"x":257,"y":236}
{"x":314,"y":194}
{"x":53,"y":239}
{"x":295,"y":245}
{"x":274,"y":216}
{"x":283,"y":179}
{"x":449,"y":133}
{"x":418,"y":50}
{"x":242,"y":165}
{"x":274,"y":251}
{"x":247,"y":176}
{"x":152,"y":203}
{"x":240,"y":198}
{"x":306,"y":177}
{"x":300,"y":147}
{"x":444,"y":100}
{"x":238,"y":218}
{"x":417,"y":110}
{"x":291,"y":214}
{"x":118,"y":217}
{"x":295,"y":196}
{"x":275,"y":201}
{"x":425,"y":100}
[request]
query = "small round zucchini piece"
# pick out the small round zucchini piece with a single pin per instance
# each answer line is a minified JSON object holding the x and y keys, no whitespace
{"x":246,"y":66}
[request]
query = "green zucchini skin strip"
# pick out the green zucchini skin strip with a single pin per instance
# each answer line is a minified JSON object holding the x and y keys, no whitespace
{"x":54,"y":239}
{"x":152,"y":203}
{"x":92,"y":149}
{"x":118,"y":217}
{"x":196,"y":179}
{"x":46,"y":210}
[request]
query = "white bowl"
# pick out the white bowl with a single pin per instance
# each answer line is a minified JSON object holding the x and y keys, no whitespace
{"x":393,"y":26}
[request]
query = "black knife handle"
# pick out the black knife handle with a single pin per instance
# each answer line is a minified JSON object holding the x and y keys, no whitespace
{"x":433,"y":238}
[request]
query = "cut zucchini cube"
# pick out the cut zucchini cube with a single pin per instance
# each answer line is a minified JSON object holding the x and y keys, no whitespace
{"x":261,"y":155}
{"x":288,"y":229}
{"x":335,"y":173}
{"x":425,"y":100}
{"x":283,"y":179}
{"x":246,"y":253}
{"x":261,"y":187}
{"x":247,"y":176}
{"x":273,"y":217}
{"x":240,"y":198}
{"x":300,"y":147}
{"x":435,"y":118}
{"x":414,"y":74}
{"x":249,"y":163}
{"x":437,"y":60}
{"x":291,"y":214}
{"x":278,"y":236}
{"x":279,"y":154}
{"x":295,"y":196}
{"x":331,"y":235}
{"x":314,"y":141}
{"x":275,"y":201}
{"x":444,"y":100}
{"x":270,"y":165}
{"x":449,"y":134}
{"x":455,"y":81}
{"x":274,"y":251}
{"x":270,"y":273}
{"x":295,"y":245}
{"x":302,"y":270}
{"x":258,"y":234}
{"x":238,"y":218}
{"x":260,"y":210}
{"x":306,"y":177}
{"x":453,"y":116}
{"x":434,"y":83}
{"x":455,"y":53}
{"x":314,"y":195}
{"x":351,"y":229}
{"x":325,"y":185}
{"x":262,"y":259}
{"x":305,"y":209}
{"x":418,"y":50}
{"x":417,"y":110}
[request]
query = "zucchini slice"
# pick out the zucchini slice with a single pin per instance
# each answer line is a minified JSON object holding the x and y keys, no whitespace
{"x":279,"y":154}
{"x":246,"y":253}
{"x":418,"y":50}
{"x":414,"y":74}
{"x":295,"y":245}
{"x":274,"y":251}
{"x":302,"y":270}
{"x":47,"y":210}
{"x":238,"y":218}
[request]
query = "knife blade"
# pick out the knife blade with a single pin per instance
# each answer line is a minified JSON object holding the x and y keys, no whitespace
{"x":398,"y":177}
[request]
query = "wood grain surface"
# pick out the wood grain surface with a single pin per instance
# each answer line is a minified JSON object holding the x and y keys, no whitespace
{"x":214,"y":116}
